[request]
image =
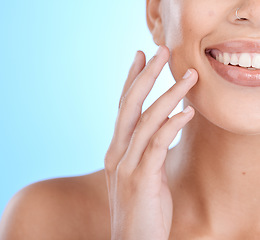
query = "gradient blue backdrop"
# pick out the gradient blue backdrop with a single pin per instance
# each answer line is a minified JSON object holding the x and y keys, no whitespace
{"x":63,"y":66}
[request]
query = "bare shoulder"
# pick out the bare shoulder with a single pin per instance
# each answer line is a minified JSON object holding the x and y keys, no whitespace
{"x":60,"y":208}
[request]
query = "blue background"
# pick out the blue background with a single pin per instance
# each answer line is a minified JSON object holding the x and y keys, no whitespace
{"x":63,"y":66}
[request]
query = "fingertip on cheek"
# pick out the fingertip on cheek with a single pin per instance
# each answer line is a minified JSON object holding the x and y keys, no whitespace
{"x":193,"y":75}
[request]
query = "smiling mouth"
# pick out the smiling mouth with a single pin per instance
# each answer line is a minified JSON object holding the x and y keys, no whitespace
{"x":238,"y":68}
{"x":250,"y":61}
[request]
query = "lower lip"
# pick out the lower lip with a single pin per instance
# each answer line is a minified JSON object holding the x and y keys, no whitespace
{"x":234,"y":74}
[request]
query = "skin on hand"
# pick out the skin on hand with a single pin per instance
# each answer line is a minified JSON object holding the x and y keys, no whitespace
{"x":140,"y":199}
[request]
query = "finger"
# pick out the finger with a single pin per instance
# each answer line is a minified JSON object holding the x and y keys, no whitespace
{"x":135,"y":69}
{"x":131,"y":106}
{"x":156,"y":151}
{"x":152,"y":119}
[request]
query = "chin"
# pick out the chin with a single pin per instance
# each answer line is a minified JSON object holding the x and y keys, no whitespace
{"x":238,"y":122}
{"x":242,"y":126}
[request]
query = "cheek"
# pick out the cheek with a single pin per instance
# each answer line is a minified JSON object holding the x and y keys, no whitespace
{"x":190,"y":30}
{"x":185,"y":31}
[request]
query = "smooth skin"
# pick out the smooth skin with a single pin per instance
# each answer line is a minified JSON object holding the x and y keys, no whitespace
{"x":140,"y":199}
{"x":210,"y":180}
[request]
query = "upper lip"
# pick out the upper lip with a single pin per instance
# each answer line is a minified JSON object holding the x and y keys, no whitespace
{"x":237,"y":46}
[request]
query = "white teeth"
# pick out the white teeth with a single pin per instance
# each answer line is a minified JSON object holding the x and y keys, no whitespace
{"x":221,"y":59}
{"x":234,"y":59}
{"x":226,"y":58}
{"x":245,"y":60}
{"x":256,"y":61}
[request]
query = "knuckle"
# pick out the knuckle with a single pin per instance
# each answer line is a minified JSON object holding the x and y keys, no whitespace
{"x":123,"y":101}
{"x":126,"y":100}
{"x":156,"y":142}
{"x":144,"y":118}
{"x":109,"y":162}
{"x":109,"y":167}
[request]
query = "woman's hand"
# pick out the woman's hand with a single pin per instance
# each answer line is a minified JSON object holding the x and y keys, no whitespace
{"x":139,"y":197}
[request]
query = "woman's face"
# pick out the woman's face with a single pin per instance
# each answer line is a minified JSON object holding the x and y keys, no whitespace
{"x":191,"y":26}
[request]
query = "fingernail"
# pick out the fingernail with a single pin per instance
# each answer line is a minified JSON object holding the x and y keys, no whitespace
{"x":187,"y":74}
{"x":187,"y":109}
{"x":159,"y":50}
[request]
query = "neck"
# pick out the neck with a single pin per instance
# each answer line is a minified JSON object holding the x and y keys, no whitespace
{"x":218,"y":174}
